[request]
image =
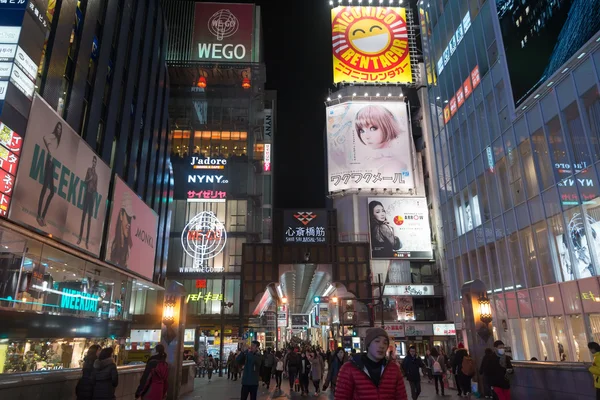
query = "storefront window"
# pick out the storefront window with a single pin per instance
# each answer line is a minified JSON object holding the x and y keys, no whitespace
{"x":579,"y":339}
{"x":545,"y":340}
{"x":562,"y":344}
{"x":595,"y":325}
{"x":50,"y":354}
{"x":41,"y":278}
{"x":529,"y":339}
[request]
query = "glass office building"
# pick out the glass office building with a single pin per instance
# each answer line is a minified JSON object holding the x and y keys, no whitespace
{"x":514,"y":123}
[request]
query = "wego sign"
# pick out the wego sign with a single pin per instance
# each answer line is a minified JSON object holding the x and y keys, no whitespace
{"x":223,"y":32}
{"x":203,"y":238}
{"x":370,"y":44}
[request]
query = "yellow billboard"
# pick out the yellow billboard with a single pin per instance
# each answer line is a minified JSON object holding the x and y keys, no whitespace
{"x":370,"y":45}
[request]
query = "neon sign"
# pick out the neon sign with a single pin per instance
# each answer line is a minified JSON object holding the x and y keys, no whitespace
{"x":203,"y":238}
{"x":267,"y":158}
{"x":75,"y":300}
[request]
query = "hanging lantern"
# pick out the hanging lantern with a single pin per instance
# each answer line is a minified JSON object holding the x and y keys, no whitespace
{"x":201,"y":82}
{"x":246,"y":83}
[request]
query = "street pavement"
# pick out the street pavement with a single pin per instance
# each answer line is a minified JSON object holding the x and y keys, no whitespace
{"x":224,"y":389}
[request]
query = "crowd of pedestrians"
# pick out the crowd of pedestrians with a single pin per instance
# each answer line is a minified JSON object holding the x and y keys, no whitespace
{"x":375,"y":374}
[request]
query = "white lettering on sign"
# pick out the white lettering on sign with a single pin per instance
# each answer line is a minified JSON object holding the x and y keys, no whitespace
{"x":207,"y":179}
{"x":217,"y":51}
{"x":10,"y":34}
{"x":268,"y":125}
{"x":208,"y":161}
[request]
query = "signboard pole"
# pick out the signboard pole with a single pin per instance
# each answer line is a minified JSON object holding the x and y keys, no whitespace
{"x":381,"y":300}
{"x":222,"y":344}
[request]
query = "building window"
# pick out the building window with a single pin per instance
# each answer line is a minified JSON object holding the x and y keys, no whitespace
{"x":237,"y":213}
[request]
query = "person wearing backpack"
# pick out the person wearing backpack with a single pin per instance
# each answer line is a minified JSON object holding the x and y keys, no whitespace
{"x":278,"y":369}
{"x":438,"y":369}
{"x":463,"y":383}
{"x":157,"y":383}
{"x":467,"y":371}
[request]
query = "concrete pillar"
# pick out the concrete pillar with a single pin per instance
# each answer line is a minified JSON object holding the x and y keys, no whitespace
{"x":479,"y":334}
{"x":172,"y":330}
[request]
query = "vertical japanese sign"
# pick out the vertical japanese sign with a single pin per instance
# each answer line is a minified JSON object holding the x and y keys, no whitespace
{"x":10,"y":149}
{"x":305,"y":226}
{"x":267,"y":158}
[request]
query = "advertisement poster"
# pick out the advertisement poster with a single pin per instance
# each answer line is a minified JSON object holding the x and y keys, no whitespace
{"x":536,"y":47}
{"x":369,"y":146}
{"x":444,"y":329}
{"x":223,"y":32}
{"x":416,"y":329}
{"x":62,"y":185}
{"x":300,"y":321}
{"x":370,"y":45}
{"x":305,"y":226}
{"x":132,"y":230}
{"x":576,"y":247}
{"x":399,"y":228}
{"x":404,"y":307}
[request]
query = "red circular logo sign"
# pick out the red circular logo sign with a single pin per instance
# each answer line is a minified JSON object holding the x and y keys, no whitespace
{"x":398,"y":220}
{"x":371,"y":40}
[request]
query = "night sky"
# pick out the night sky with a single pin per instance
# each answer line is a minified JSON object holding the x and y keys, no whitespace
{"x":297,"y":54}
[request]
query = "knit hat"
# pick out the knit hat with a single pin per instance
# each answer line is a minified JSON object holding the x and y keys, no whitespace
{"x":461,"y":345}
{"x":374,"y":333}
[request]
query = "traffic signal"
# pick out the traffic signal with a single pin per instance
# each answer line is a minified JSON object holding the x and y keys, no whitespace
{"x":354,"y":332}
{"x":317,"y":299}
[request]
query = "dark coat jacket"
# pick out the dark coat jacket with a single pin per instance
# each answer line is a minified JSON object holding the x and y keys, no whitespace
{"x":335,"y":365}
{"x":457,"y":360}
{"x":412,"y":367}
{"x":85,"y":388}
{"x":494,"y":372}
{"x":104,"y":379}
{"x":354,"y":383}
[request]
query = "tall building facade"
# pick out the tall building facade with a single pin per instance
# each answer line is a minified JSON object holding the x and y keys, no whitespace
{"x":512,"y":123}
{"x":223,"y":126}
{"x":86,"y":172}
{"x":378,"y":174}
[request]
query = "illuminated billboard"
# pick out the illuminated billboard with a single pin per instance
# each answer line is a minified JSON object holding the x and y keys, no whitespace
{"x":223,"y":32}
{"x":399,"y":228}
{"x":370,"y":45}
{"x":369,"y":147}
{"x":539,"y":37}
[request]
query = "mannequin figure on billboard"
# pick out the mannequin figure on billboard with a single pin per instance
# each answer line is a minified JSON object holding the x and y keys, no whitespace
{"x":383,"y":240}
{"x":379,"y":131}
{"x":51,"y":142}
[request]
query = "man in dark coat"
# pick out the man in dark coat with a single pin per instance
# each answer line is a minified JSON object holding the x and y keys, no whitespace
{"x":104,"y":376}
{"x":463,"y":382}
{"x":412,"y":366}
